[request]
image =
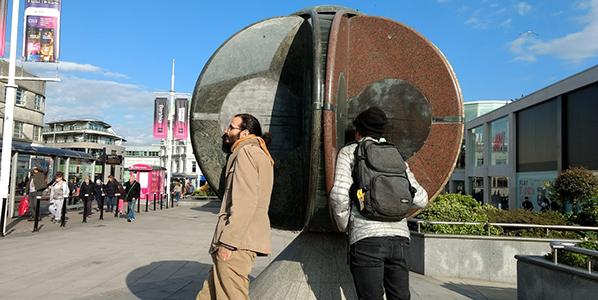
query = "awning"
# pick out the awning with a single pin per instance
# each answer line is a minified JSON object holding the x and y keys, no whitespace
{"x":34,"y":149}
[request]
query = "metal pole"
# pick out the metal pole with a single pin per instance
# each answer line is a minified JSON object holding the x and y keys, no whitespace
{"x":85,"y":212}
{"x":146,"y":201}
{"x":161,"y":201}
{"x":154,"y":201}
{"x":9,"y":107}
{"x":170,"y":138}
{"x":36,"y":221}
{"x":63,"y":213}
{"x":117,"y":195}
{"x":139,"y":205}
{"x":103,"y":199}
{"x":3,"y":217}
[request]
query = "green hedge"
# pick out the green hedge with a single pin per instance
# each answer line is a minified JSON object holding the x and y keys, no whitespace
{"x":463,"y":208}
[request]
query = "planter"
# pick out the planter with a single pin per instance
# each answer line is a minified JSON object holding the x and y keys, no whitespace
{"x":539,"y":278}
{"x":488,"y":258}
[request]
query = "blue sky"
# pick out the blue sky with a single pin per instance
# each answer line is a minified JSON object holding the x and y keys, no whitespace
{"x":116,"y":55}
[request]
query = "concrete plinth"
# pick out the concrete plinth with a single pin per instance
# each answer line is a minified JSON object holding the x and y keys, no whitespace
{"x":313,"y":266}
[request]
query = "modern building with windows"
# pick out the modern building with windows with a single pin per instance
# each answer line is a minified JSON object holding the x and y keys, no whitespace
{"x":147,"y":155}
{"x":472,"y":110}
{"x":29,"y":107}
{"x":512,"y":152}
{"x":91,"y":136}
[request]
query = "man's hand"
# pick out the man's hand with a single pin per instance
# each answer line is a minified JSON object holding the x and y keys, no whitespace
{"x":223,"y":253}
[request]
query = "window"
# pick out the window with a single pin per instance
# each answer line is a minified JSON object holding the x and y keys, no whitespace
{"x":476,"y":139}
{"x":18,"y":130}
{"x":499,"y":139}
{"x":39,"y":100}
{"x":193,"y":166}
{"x":537,"y":138}
{"x":19,"y":100}
{"x":37,"y":132}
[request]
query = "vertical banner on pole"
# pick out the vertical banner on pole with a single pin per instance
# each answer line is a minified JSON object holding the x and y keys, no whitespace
{"x":160,"y":120}
{"x":3,"y":13}
{"x":181,"y":121}
{"x":41,"y":36}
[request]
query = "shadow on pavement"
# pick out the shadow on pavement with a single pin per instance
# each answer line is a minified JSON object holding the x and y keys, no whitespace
{"x":212,"y":206}
{"x":482,"y":292}
{"x":177,"y":279}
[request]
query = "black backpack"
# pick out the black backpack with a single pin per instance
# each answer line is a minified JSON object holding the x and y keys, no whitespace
{"x":381,"y":190}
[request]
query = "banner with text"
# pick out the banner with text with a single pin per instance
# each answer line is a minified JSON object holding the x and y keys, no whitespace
{"x":181,"y":121}
{"x":160,"y":118}
{"x":41,"y":36}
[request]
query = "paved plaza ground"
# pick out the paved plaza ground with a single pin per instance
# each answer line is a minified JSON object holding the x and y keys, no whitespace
{"x":162,"y":255}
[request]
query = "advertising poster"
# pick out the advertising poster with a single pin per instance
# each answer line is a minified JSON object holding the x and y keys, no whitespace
{"x":160,"y":118}
{"x":531,"y":190}
{"x":42,"y":30}
{"x":181,"y":120}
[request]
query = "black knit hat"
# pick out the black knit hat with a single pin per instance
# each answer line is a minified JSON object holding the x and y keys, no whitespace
{"x":371,"y":122}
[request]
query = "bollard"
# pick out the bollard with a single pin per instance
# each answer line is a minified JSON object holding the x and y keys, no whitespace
{"x":166,"y":200}
{"x":103,"y":198}
{"x":161,"y":200}
{"x":117,"y":195}
{"x":3,"y":217}
{"x":154,"y":201}
{"x":63,"y":212}
{"x":138,"y":204}
{"x":85,"y":212}
{"x":146,"y":201}
{"x":37,"y":200}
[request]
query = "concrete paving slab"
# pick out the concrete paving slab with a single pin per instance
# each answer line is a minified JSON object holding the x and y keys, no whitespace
{"x":163,"y":255}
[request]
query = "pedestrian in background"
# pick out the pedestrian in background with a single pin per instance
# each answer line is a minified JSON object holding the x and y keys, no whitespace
{"x":99,"y":190}
{"x":58,"y":191}
{"x":36,"y":185}
{"x":86,"y":193}
{"x":132,"y":191}
{"x":110,"y":189}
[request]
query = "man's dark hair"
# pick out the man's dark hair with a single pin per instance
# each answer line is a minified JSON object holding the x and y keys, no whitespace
{"x":251,"y":124}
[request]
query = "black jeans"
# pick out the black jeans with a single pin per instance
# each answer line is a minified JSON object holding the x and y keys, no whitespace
{"x":378,"y":265}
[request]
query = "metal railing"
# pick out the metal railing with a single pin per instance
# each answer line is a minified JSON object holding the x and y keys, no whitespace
{"x":489,"y":225}
{"x":565,"y":246}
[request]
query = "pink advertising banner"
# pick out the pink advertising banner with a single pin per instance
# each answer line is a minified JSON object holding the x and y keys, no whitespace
{"x":160,"y":118}
{"x":181,"y":121}
{"x":41,"y":36}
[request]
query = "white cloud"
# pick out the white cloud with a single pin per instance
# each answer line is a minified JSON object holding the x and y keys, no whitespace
{"x":68,"y":67}
{"x":573,"y":47}
{"x":506,"y":24}
{"x":523,"y":8}
{"x":477,"y":21}
{"x":127,"y":107}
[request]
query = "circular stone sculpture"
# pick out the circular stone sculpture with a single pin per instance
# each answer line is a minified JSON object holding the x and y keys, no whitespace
{"x":305,"y":77}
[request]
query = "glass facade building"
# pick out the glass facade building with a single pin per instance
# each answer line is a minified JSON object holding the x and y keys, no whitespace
{"x":513,"y":152}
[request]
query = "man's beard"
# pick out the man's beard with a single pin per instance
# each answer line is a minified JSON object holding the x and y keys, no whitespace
{"x":227,"y":142}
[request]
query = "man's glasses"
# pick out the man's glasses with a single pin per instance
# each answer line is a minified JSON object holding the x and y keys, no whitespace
{"x":231,"y":127}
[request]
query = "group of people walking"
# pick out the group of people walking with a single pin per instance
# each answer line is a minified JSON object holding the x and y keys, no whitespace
{"x":87,"y":191}
{"x":378,"y":249}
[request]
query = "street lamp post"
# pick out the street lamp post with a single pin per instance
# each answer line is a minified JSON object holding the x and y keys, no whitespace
{"x":9,"y":106}
{"x":170,"y":136}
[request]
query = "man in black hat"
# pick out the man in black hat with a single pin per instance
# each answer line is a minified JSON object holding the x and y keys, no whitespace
{"x":379,"y":250}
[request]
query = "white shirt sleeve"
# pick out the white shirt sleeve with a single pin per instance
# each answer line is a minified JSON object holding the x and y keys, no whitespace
{"x":339,"y":195}
{"x":420,"y":199}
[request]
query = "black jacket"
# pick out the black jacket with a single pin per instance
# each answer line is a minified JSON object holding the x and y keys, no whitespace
{"x":132,"y":190}
{"x":87,"y":188}
{"x":111,"y":188}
